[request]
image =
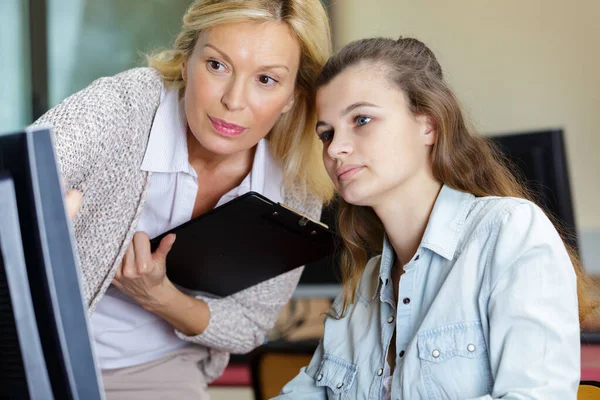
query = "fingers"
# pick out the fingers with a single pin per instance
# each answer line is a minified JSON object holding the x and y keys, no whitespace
{"x":139,"y":260}
{"x":143,"y":255}
{"x":73,"y":200}
{"x":160,"y":254}
{"x":128,"y":266}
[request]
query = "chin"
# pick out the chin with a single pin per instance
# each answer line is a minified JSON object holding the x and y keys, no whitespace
{"x":224,"y":146}
{"x":354,"y":197}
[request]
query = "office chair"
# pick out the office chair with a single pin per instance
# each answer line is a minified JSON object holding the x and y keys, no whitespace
{"x":588,"y":390}
{"x":275,"y":364}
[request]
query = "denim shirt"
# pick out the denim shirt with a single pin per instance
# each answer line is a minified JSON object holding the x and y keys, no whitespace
{"x":487,"y":309}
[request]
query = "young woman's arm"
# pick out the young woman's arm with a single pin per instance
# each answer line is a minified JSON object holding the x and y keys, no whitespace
{"x":534,"y":340}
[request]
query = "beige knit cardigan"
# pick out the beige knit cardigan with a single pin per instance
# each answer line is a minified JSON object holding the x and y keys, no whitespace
{"x":101,"y":135}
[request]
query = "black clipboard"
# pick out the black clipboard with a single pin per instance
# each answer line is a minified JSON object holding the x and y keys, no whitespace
{"x":241,"y":243}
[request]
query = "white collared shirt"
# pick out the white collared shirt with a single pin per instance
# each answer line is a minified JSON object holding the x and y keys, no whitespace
{"x":124,"y":333}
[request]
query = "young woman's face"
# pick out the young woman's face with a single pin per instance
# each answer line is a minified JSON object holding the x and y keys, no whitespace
{"x":373,"y":145}
{"x":239,"y":79}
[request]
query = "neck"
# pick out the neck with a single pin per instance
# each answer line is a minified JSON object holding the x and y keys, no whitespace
{"x":405,"y":213}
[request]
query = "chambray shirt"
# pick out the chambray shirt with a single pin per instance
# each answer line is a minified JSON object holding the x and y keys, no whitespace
{"x":487,"y":309}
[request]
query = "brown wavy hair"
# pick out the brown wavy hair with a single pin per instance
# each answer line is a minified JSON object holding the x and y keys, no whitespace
{"x":460,"y":158}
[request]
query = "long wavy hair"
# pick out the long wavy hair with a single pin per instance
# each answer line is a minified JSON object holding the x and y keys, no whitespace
{"x":292,"y":139}
{"x":460,"y":158}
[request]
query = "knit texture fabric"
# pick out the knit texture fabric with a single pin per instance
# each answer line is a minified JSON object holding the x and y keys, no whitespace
{"x":100,"y":137}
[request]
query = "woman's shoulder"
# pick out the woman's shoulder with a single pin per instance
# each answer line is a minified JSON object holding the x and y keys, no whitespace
{"x":507,"y":228}
{"x":107,"y":98}
{"x":111,"y":112}
{"x":130,"y":97}
{"x":125,"y":92}
{"x":493,"y":213}
{"x":305,"y":202}
{"x":142,"y":83}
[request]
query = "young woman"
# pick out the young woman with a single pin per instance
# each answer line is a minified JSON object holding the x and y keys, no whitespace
{"x":473,"y":293}
{"x":229,"y":109}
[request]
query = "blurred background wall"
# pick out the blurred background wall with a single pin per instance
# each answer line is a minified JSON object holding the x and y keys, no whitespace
{"x":516,"y":66}
{"x":14,"y":65}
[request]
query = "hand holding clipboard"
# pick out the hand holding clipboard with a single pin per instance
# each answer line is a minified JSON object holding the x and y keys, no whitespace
{"x":242,"y":243}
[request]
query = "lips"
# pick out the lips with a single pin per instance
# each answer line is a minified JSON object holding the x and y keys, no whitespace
{"x":225,"y":128}
{"x":346,"y":172}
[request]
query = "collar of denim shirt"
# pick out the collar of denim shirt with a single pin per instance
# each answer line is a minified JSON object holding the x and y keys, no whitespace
{"x":441,"y":235}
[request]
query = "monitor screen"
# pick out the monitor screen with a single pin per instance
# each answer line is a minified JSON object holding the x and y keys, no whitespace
{"x":43,"y":253}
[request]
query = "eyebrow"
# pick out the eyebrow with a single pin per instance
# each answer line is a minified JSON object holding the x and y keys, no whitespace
{"x":348,"y":110}
{"x":226,"y":57}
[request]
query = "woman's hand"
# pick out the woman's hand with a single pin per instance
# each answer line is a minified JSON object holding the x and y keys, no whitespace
{"x":142,"y":274}
{"x":73,"y":200}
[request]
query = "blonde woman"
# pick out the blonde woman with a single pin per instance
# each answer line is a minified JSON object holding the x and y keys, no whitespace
{"x":229,"y":109}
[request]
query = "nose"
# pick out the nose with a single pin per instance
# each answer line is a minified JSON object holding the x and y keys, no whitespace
{"x":234,"y":95}
{"x":340,"y":146}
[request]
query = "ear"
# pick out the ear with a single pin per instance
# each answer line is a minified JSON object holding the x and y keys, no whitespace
{"x":290,"y":103}
{"x":428,"y":129}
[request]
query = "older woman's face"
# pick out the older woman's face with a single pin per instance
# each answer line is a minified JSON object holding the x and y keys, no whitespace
{"x":239,"y":79}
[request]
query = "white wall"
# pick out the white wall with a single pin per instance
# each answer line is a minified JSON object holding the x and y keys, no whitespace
{"x":516,"y":65}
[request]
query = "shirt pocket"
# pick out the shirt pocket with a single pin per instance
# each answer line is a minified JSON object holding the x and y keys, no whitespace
{"x":454,"y":361}
{"x":337,"y":376}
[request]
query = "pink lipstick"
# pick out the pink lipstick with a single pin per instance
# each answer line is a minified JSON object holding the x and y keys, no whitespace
{"x":226,"y":128}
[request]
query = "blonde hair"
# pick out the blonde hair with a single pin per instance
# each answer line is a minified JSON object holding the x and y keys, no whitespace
{"x":460,"y":158}
{"x":292,"y":139}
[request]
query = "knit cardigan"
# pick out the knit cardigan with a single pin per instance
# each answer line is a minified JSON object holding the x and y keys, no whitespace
{"x":100,"y":136}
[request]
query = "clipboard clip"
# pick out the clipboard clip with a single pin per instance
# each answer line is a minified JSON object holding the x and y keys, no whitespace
{"x":303,"y":221}
{"x":290,"y":217}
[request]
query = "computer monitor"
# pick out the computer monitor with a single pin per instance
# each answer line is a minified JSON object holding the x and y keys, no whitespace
{"x":540,"y":158}
{"x":45,"y":346}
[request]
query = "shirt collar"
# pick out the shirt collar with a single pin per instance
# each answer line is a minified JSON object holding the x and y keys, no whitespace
{"x":443,"y":228}
{"x":167,"y":146}
{"x":446,"y":221}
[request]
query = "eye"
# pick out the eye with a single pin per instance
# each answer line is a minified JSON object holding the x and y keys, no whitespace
{"x":215,"y":65}
{"x":326,"y":136}
{"x":267,"y":80}
{"x":362,"y":120}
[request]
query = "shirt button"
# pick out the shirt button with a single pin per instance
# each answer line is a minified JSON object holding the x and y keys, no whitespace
{"x":319,"y":377}
{"x":435,"y":353}
{"x":406,"y":300}
{"x":401,"y":354}
{"x":471,"y":347}
{"x":380,"y":371}
{"x":390,"y":320}
{"x":339,"y":385}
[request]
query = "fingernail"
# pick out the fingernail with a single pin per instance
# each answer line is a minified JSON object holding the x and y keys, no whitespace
{"x":173,"y":240}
